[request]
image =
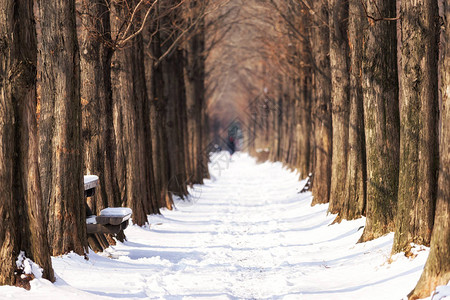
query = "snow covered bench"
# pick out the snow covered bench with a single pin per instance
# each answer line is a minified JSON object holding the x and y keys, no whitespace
{"x":90,"y":183}
{"x":307,"y":184}
{"x":112,"y":220}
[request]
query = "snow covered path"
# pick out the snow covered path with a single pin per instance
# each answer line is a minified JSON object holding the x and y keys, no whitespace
{"x":247,"y":234}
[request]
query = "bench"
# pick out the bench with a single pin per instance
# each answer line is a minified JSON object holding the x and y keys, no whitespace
{"x":307,"y":185}
{"x":111,"y":220}
{"x":90,"y":183}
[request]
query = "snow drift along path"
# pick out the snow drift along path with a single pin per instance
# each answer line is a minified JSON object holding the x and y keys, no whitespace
{"x":247,"y":234}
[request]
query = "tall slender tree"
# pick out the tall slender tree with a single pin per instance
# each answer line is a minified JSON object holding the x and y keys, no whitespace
{"x":339,"y":55}
{"x":61,"y":164}
{"x":381,"y":116}
{"x":419,"y":157}
{"x":157,"y":101}
{"x":129,"y":98}
{"x":194,"y":75}
{"x":23,"y":226}
{"x":99,"y":150}
{"x":304,"y":87}
{"x":353,"y":205}
{"x":175,"y":97}
{"x":322,"y":102}
{"x":146,"y":148}
{"x":437,"y":267}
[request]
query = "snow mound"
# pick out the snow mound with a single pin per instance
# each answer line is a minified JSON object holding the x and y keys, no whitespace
{"x":27,"y":266}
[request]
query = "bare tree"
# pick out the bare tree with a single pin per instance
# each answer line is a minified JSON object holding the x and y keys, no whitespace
{"x":419,"y":156}
{"x":381,"y":118}
{"x":354,"y":202}
{"x":340,"y":102}
{"x":61,"y":164}
{"x":99,"y":142}
{"x":437,"y":267}
{"x":322,"y":102}
{"x":23,"y":226}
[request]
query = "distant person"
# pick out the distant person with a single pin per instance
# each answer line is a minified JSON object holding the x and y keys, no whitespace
{"x":231,"y":145}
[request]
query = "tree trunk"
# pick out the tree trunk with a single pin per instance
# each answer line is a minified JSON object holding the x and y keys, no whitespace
{"x":204,"y":157}
{"x":157,"y":102}
{"x":159,"y":110}
{"x":355,"y":188}
{"x":338,"y":22}
{"x":304,"y":123}
{"x":275,"y":151}
{"x":145,"y":136}
{"x":292,"y":125}
{"x":127,"y":103}
{"x":194,"y":75}
{"x":322,"y":103}
{"x":289,"y":137}
{"x":97,"y":117}
{"x":381,"y":118}
{"x":419,"y":156}
{"x":174,"y":95}
{"x":61,"y":164}
{"x":437,"y":267}
{"x":23,"y":226}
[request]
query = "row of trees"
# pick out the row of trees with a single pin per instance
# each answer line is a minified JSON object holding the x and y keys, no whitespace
{"x":368,"y":123}
{"x":111,"y":88}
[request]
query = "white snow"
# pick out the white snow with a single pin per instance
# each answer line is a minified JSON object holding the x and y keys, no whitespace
{"x":245,"y":234}
{"x":115,"y":211}
{"x":90,"y":181}
{"x":91,"y":219}
{"x":90,"y":178}
{"x":442,"y":292}
{"x":27,"y":266}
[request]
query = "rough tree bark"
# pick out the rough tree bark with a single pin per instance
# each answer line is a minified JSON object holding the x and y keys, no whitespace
{"x":437,"y":267}
{"x":304,"y":122}
{"x":194,"y":75}
{"x":322,"y":102}
{"x":174,"y":95}
{"x":128,"y":120}
{"x":204,"y":158}
{"x":155,"y":91}
{"x":339,"y":53}
{"x":277,"y":117}
{"x":144,"y":116}
{"x":289,"y":104}
{"x":23,"y":224}
{"x":381,"y":118}
{"x":61,"y":164}
{"x":355,"y":189}
{"x":419,"y":156}
{"x":292,"y":157}
{"x":99,"y":142}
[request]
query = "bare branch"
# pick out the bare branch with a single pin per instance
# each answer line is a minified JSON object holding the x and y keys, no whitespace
{"x":131,"y":36}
